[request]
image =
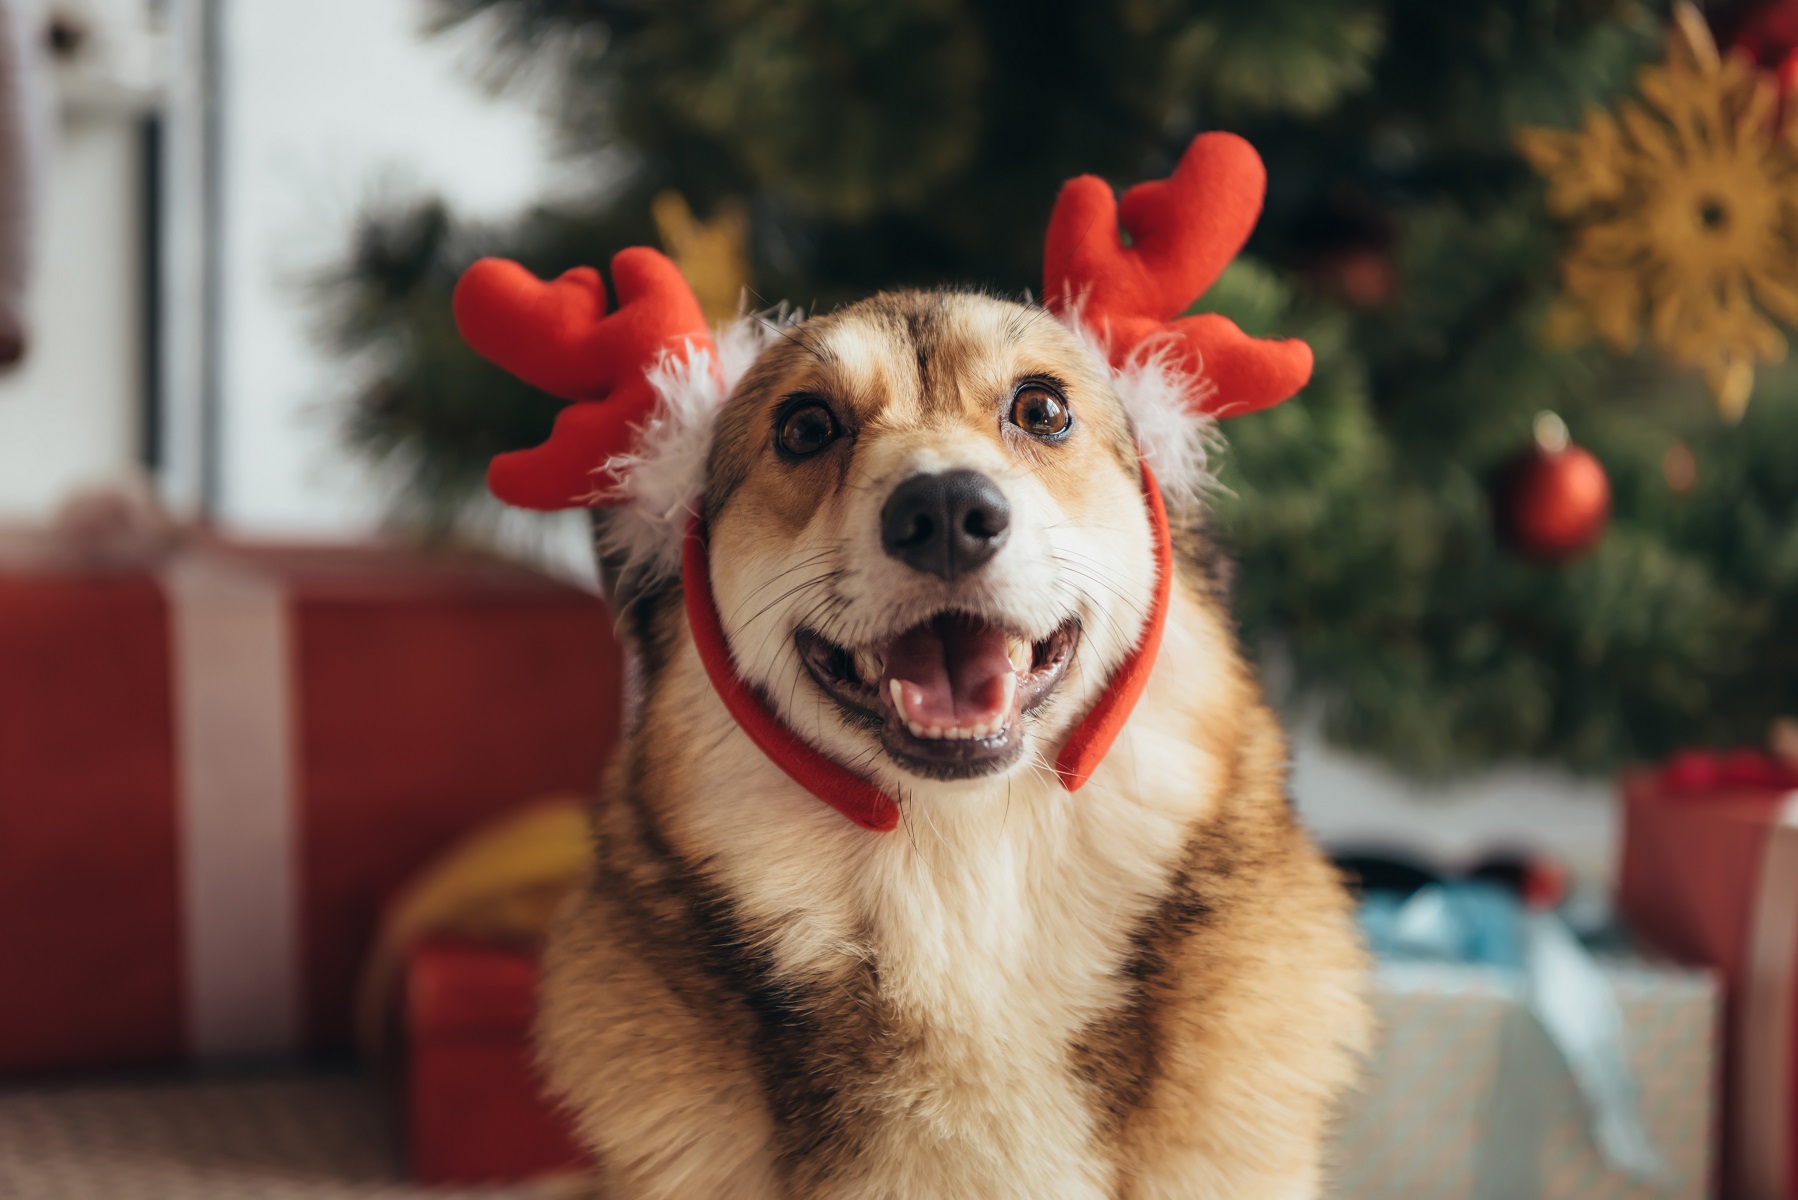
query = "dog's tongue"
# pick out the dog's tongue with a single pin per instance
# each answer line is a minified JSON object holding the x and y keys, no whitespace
{"x":954,"y":671}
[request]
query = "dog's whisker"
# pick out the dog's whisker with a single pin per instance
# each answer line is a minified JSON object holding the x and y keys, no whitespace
{"x":1087,"y":601}
{"x":1115,"y":589}
{"x":1068,"y":554}
{"x":792,"y":569}
{"x":789,"y":594}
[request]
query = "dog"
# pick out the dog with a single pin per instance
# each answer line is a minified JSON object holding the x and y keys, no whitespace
{"x":929,"y":553}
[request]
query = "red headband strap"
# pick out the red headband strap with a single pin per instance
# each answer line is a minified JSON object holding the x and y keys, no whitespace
{"x":849,"y":793}
{"x":1092,"y":738}
{"x":843,"y":790}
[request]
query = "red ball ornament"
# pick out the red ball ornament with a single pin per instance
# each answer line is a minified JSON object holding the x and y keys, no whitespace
{"x":1768,"y":34}
{"x":1552,"y":503}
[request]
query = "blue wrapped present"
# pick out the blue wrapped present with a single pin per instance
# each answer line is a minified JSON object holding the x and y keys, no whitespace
{"x":1513,"y":1065}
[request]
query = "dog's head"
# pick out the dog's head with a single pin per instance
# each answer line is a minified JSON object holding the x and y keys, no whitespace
{"x":928,"y":538}
{"x":927,"y":541}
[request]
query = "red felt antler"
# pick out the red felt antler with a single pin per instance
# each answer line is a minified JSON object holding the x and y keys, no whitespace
{"x":1183,"y":230}
{"x":557,"y":336}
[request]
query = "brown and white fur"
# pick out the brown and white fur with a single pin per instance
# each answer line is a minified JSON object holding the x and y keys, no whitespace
{"x":1147,"y":988}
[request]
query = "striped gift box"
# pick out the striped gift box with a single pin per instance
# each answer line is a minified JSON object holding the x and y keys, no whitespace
{"x":1466,"y":1099}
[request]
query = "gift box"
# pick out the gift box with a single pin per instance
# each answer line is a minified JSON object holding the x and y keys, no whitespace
{"x":449,"y":998}
{"x":474,"y":1108}
{"x":217,"y":763}
{"x":1467,"y":1099}
{"x":1489,"y":1082}
{"x":1464,"y":1100}
{"x":1710,"y":875}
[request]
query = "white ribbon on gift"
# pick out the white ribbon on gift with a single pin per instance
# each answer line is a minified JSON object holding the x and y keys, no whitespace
{"x":234,"y":737}
{"x":1763,"y":1046}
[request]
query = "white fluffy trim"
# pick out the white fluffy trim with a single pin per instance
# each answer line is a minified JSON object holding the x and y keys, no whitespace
{"x":660,"y":479}
{"x":1164,"y":404}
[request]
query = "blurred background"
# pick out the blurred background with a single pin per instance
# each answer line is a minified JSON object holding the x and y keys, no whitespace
{"x":249,"y":222}
{"x":1533,"y":525}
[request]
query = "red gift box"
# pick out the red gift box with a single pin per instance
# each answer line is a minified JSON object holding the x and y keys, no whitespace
{"x":216,"y":768}
{"x":1710,"y":876}
{"x":475,"y":1110}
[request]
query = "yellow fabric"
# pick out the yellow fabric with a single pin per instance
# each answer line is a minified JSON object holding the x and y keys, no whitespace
{"x":504,"y":881}
{"x":1685,"y":211}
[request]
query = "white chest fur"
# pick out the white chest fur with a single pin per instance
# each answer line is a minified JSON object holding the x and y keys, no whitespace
{"x":998,"y":925}
{"x":1000,"y":945}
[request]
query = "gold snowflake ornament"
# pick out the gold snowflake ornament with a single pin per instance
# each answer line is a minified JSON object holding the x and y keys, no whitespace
{"x":1685,"y":215}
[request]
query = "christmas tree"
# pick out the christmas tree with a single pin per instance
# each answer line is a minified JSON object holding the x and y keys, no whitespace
{"x":841,"y":148}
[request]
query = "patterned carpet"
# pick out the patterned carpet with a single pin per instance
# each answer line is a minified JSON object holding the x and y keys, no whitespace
{"x":1420,"y":1128}
{"x":280,"y":1138}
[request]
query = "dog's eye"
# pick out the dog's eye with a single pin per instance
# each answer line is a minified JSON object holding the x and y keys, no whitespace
{"x":806,"y":428}
{"x":1038,"y":411}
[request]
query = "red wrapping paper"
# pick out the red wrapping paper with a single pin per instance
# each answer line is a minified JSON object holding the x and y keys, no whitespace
{"x":1700,"y":840}
{"x":429,"y":693}
{"x":475,"y":1111}
{"x":90,"y":934}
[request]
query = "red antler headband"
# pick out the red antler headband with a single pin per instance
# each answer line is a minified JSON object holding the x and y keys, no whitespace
{"x":614,"y":370}
{"x":557,"y":336}
{"x":1183,"y":232}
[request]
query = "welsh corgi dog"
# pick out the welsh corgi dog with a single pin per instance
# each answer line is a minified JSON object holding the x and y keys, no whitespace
{"x":933,"y":548}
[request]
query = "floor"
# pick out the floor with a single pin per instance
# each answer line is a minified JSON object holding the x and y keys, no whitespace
{"x":282,"y":1138}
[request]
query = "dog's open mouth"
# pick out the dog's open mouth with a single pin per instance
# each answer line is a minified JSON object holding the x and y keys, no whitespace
{"x":950,"y":694}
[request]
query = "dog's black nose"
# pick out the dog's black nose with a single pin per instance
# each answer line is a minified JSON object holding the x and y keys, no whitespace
{"x":947,"y":524}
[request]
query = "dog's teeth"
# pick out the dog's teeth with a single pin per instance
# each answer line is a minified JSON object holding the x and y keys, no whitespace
{"x":951,"y":733}
{"x":869,"y":666}
{"x":1021,"y":653}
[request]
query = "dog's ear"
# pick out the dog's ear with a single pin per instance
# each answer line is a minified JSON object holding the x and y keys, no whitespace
{"x":1173,"y":373}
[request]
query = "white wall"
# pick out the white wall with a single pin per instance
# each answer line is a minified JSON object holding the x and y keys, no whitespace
{"x":327,"y":102}
{"x":68,"y":414}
